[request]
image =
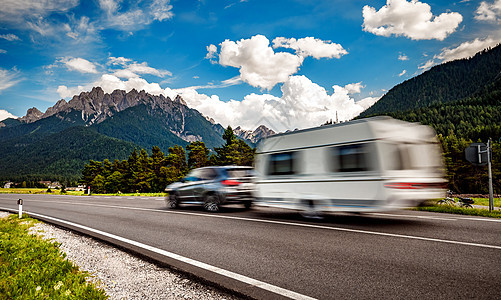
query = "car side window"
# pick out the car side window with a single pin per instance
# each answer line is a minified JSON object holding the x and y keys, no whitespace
{"x":282,"y":163}
{"x":208,"y":174}
{"x":350,"y":158}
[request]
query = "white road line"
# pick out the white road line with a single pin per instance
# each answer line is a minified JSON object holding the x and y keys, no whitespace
{"x":452,"y":218}
{"x":293,"y":224}
{"x":251,"y":281}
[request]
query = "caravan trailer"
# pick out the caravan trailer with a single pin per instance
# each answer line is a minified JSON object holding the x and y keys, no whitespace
{"x":372,"y":164}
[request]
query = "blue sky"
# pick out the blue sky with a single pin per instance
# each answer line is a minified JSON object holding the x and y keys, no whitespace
{"x":285,"y":64}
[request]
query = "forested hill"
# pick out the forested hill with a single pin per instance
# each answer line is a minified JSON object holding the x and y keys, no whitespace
{"x":444,"y":83}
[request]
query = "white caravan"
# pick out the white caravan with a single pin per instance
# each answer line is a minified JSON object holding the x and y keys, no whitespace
{"x":372,"y":164}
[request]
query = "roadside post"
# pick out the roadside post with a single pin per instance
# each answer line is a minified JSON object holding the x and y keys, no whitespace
{"x":480,"y":154}
{"x":20,"y":203}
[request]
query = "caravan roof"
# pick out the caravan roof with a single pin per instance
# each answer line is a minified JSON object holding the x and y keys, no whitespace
{"x":348,"y":132}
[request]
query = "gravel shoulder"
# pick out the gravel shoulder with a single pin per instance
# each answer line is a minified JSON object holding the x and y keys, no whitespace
{"x":122,"y":275}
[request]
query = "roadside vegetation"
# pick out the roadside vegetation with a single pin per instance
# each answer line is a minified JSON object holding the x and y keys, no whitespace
{"x":143,"y":173}
{"x":461,"y":211}
{"x":34,"y":268}
{"x":73,"y":193}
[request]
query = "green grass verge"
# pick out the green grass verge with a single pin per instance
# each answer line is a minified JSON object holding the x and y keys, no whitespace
{"x":485,"y":201}
{"x":461,"y":211}
{"x":74,"y":193}
{"x":33,"y":268}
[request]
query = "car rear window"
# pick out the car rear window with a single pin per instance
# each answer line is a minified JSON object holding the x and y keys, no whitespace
{"x":240,"y":173}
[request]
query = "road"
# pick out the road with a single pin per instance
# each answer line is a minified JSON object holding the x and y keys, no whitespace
{"x":269,"y":253}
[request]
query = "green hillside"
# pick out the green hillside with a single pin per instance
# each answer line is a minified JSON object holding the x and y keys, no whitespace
{"x":444,"y":83}
{"x":60,"y":155}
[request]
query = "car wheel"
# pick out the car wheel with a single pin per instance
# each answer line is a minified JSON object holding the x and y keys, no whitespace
{"x":247,"y":204}
{"x":211,"y":203}
{"x":173,"y":201}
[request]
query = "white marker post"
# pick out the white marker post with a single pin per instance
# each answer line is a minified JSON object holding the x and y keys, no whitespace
{"x":20,"y":203}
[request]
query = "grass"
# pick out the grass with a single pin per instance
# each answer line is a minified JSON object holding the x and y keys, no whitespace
{"x":33,"y":268}
{"x":461,"y":211}
{"x":485,"y":201}
{"x":74,"y":193}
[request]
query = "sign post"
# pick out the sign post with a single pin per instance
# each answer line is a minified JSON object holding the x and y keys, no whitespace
{"x":20,"y":203}
{"x":480,"y":154}
{"x":489,"y":158}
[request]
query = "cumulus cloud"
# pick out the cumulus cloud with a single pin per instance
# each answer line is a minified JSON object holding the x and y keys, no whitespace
{"x":5,"y":115}
{"x":128,"y":16}
{"x":211,"y":53}
{"x":2,"y":51}
{"x":79,"y":64}
{"x":412,"y":19}
{"x":402,"y":73}
{"x":310,"y":46}
{"x":8,"y":78}
{"x":302,"y":104}
{"x":489,"y":11}
{"x":10,"y":37}
{"x":260,"y":66}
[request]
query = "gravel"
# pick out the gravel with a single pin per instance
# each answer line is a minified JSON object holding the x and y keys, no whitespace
{"x":122,"y":275}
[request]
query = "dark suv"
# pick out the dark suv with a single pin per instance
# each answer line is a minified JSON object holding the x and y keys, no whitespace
{"x":212,"y":187}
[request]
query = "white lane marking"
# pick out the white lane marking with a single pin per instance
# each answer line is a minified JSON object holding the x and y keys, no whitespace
{"x":251,"y":281}
{"x":452,"y":218}
{"x":416,"y":217}
{"x":412,"y":237}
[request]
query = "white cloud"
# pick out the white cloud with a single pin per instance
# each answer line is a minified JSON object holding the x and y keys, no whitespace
{"x":310,"y":46}
{"x":403,"y":57}
{"x":259,"y":65}
{"x":412,"y":19}
{"x":131,"y":69}
{"x":5,"y":115}
{"x":79,"y":64}
{"x":128,"y":16}
{"x":354,"y":88}
{"x":302,"y":104}
{"x":402,"y":73}
{"x":10,"y":37}
{"x":211,"y":53}
{"x":427,"y":65}
{"x":466,"y":49}
{"x":489,"y":11}
{"x":18,"y":10}
{"x":2,"y":51}
{"x":8,"y":78}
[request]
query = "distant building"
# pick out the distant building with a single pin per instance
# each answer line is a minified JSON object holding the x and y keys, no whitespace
{"x":46,"y":183}
{"x":54,"y":185}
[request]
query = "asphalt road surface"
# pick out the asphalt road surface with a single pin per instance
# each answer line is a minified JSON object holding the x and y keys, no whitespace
{"x":270,"y":253}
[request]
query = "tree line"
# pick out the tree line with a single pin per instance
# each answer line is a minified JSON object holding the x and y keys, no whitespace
{"x":143,"y":172}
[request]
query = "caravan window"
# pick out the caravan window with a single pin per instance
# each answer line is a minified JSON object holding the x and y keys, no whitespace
{"x":282,"y":164}
{"x":350,"y":158}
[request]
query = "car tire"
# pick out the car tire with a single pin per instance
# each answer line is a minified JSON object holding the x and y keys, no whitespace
{"x":173,"y":201}
{"x":248,"y":204}
{"x":211,"y":202}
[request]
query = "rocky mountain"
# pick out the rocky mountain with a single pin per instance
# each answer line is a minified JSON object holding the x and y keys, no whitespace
{"x":253,"y":136}
{"x":112,"y":123}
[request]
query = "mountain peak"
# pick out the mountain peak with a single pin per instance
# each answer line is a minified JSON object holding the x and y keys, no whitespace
{"x":32,"y":115}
